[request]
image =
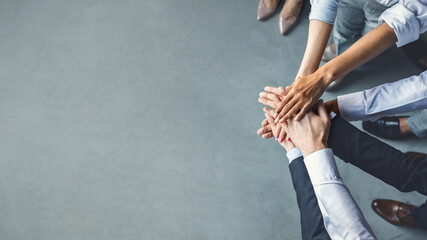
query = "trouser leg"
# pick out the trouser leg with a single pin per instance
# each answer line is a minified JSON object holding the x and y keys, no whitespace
{"x":348,"y":24}
{"x":372,"y":11}
{"x":354,"y":19}
{"x":420,"y":215}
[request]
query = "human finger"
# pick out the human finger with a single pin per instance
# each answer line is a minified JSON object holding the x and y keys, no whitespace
{"x":264,"y":122}
{"x":285,"y":111}
{"x":282,"y":134}
{"x":269,"y":111}
{"x":276,"y":90}
{"x":302,"y":112}
{"x":294,"y":111}
{"x":321,"y":110}
{"x":271,"y":123}
{"x":269,"y":96}
{"x":264,"y":130}
{"x":267,"y":135}
{"x":267,"y":102}
{"x":280,"y":106}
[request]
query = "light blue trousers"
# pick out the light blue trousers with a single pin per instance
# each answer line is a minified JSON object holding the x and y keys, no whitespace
{"x":354,"y":19}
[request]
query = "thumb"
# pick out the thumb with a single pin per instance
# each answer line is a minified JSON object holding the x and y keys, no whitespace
{"x":321,"y":110}
{"x":270,"y":120}
{"x":287,"y":128}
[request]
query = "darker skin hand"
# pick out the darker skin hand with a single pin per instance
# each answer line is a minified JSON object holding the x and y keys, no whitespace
{"x":300,"y":97}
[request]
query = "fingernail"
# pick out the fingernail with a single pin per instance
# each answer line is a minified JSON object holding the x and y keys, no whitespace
{"x":289,"y":139}
{"x":282,"y":120}
{"x":275,"y":115}
{"x":265,"y":88}
{"x":277,"y":137}
{"x":281,"y":89}
{"x":281,"y":140}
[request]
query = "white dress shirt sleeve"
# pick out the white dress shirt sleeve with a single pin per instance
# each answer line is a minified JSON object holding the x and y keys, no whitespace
{"x":406,"y":95}
{"x":408,"y":18}
{"x":324,"y":10}
{"x":341,"y":215}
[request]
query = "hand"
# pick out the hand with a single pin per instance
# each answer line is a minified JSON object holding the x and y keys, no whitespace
{"x":272,"y":97}
{"x":265,"y":131}
{"x":310,"y":134}
{"x":288,"y":145}
{"x":301,"y":96}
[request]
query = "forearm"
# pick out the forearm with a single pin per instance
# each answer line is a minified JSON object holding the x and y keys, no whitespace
{"x":406,"y":95}
{"x":318,"y":35}
{"x":402,"y":171}
{"x":365,"y":49}
{"x":312,"y":226}
{"x":343,"y":218}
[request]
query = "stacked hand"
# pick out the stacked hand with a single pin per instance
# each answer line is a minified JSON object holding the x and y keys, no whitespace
{"x":309,"y":134}
{"x":274,"y":128}
{"x":301,"y":96}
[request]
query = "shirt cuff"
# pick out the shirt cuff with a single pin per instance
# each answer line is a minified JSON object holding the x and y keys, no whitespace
{"x":324,"y":10}
{"x":322,"y":168}
{"x":403,"y":22}
{"x":352,"y":106}
{"x":293,"y":154}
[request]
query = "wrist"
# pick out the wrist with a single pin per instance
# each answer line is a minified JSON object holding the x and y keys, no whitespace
{"x":332,"y":106}
{"x":313,"y":148}
{"x":306,"y":69}
{"x":305,"y":72}
{"x":327,"y":74}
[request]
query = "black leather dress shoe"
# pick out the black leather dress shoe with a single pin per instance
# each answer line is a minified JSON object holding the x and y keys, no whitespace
{"x":386,"y":127}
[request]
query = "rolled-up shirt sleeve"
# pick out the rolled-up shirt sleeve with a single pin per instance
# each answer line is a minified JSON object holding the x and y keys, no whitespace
{"x":341,"y":215}
{"x":324,"y":10}
{"x":406,"y":95}
{"x":408,"y":18}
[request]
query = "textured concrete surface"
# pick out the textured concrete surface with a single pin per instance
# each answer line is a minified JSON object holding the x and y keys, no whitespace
{"x":137,"y":120}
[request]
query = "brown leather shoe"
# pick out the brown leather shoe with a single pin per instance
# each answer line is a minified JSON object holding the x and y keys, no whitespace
{"x":394,"y":212}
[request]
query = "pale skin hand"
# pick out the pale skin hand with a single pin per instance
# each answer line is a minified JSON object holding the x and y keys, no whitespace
{"x":306,"y":91}
{"x":288,"y":145}
{"x":310,"y":134}
{"x":271,"y":98}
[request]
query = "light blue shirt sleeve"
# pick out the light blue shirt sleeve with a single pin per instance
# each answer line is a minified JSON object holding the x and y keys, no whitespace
{"x":341,"y":215}
{"x":324,"y":10}
{"x":406,"y":95}
{"x":408,"y":18}
{"x":293,"y":154}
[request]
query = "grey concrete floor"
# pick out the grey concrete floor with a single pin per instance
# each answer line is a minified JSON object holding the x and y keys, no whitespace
{"x":137,"y":120}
